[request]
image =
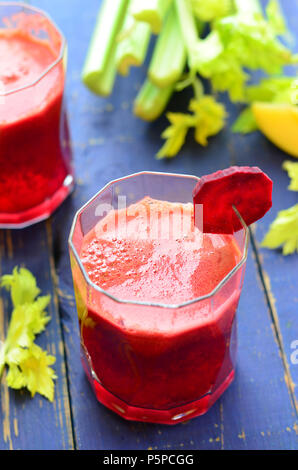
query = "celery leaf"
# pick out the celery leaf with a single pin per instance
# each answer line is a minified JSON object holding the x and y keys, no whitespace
{"x":33,"y":371}
{"x":275,"y":17}
{"x":28,"y":365}
{"x":209,"y":118}
{"x":22,"y":285}
{"x":245,"y":123}
{"x":292,"y":169}
{"x":209,"y":10}
{"x":239,"y":43}
{"x":283,"y":231}
{"x":272,"y":89}
{"x":175,"y":134}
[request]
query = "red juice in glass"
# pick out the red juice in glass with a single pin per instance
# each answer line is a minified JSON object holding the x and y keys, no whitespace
{"x":35,"y":155}
{"x":156,"y":299}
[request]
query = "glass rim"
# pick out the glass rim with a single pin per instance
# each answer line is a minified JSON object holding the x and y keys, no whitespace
{"x":148,"y":303}
{"x":25,"y":6}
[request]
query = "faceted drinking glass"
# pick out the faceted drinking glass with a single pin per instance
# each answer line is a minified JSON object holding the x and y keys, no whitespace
{"x":179,"y":367}
{"x":35,"y":152}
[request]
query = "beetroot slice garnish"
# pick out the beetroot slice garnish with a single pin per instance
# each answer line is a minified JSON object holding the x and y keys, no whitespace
{"x":246,"y":188}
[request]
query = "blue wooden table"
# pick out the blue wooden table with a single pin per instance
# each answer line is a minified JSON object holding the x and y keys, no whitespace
{"x":259,"y":410}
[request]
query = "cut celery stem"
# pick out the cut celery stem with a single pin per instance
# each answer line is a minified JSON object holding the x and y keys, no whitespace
{"x":132,"y":49}
{"x":169,"y":55}
{"x":151,"y":101}
{"x":151,"y":11}
{"x":105,"y":82}
{"x":99,"y":67}
{"x":188,"y":28}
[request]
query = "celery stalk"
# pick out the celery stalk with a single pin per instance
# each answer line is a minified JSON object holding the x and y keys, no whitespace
{"x":99,"y":66}
{"x":151,"y":101}
{"x":150,"y":11}
{"x":169,"y":55}
{"x":105,"y":82}
{"x":188,"y":28}
{"x":132,"y":49}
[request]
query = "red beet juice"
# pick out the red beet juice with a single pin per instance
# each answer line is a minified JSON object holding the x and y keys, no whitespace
{"x":155,"y":357}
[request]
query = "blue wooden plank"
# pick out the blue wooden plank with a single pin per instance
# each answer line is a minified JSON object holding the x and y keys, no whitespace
{"x":256,"y":412}
{"x":279,"y":272}
{"x":34,"y":423}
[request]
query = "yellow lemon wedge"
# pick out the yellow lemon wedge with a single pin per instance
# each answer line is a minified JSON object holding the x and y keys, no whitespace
{"x":279,"y":123}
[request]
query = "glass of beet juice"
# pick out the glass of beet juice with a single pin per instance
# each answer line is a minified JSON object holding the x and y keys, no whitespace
{"x":35,"y":155}
{"x":156,"y":298}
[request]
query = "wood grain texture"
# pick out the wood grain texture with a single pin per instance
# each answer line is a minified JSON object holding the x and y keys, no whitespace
{"x":258,"y":410}
{"x":108,"y":143}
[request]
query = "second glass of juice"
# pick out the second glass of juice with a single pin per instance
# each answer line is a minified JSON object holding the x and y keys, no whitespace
{"x":156,"y":299}
{"x":35,"y":152}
